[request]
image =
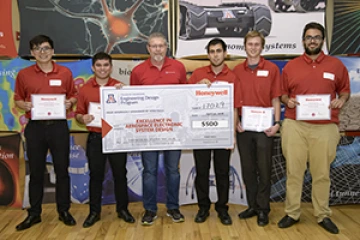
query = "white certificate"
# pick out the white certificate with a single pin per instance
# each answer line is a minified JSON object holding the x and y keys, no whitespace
{"x":48,"y":106}
{"x":313,"y":107}
{"x":95,"y":110}
{"x":256,"y":119}
{"x":165,"y":117}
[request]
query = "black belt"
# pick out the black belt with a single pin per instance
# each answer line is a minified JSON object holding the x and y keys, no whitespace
{"x":47,"y":122}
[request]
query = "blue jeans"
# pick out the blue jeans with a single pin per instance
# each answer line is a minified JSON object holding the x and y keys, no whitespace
{"x":150,"y":162}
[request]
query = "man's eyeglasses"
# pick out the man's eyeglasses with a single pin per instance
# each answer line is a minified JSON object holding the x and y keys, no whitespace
{"x":154,"y":46}
{"x":41,"y":49}
{"x":316,"y":38}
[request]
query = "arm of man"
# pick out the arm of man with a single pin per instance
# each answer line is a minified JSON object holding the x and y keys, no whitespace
{"x":340,"y":101}
{"x":273,"y":129}
{"x":69,"y":103}
{"x":26,"y":106}
{"x":84,"y":118}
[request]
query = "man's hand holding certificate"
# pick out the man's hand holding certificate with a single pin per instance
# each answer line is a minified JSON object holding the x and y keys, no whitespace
{"x":313,"y":107}
{"x":48,"y":106}
{"x":256,"y":119}
{"x":95,"y":111}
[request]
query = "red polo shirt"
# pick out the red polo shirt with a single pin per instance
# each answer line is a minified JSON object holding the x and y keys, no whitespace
{"x":325,"y":75}
{"x":32,"y":80}
{"x":225,"y":75}
{"x":172,"y":72}
{"x":258,"y":86}
{"x":90,"y":92}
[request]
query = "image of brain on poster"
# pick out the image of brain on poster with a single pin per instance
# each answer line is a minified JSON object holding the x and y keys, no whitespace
{"x":113,"y":26}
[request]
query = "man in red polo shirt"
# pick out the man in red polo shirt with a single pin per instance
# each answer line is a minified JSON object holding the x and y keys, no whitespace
{"x":311,"y":141}
{"x":46,"y":77}
{"x":260,"y":87}
{"x":89,"y":98}
{"x":217,"y":71}
{"x":157,"y":70}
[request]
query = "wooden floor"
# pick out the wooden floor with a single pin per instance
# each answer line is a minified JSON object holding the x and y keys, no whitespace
{"x":346,"y":217}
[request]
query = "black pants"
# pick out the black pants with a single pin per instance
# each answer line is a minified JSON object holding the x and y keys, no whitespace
{"x":42,"y":136}
{"x":97,"y":160}
{"x":255,"y":150}
{"x":221,"y":167}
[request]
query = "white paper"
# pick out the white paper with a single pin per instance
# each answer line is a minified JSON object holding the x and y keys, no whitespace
{"x":48,"y":106}
{"x":256,"y":119}
{"x":313,"y":107}
{"x":95,"y":110}
{"x":165,"y":117}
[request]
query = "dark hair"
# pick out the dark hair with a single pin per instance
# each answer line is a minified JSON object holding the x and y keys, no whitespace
{"x":215,"y":41}
{"x":101,"y":56}
{"x":39,"y":39}
{"x":314,"y":25}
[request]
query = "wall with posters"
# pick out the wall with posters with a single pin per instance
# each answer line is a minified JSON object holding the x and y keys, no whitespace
{"x":282,"y":26}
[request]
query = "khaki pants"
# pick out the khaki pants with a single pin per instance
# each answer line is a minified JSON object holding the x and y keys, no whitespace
{"x":314,"y":143}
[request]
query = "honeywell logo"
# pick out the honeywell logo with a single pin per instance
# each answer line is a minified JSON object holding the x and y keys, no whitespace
{"x":313,"y":99}
{"x":257,"y":111}
{"x":211,"y":93}
{"x":48,"y":99}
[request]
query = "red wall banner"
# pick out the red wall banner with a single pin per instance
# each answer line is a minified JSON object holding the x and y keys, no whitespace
{"x":9,"y":170}
{"x":7,"y":44}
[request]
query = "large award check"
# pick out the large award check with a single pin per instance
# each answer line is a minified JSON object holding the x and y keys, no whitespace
{"x":313,"y":107}
{"x":165,"y":117}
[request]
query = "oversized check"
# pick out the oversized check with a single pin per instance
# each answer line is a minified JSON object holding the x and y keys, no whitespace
{"x":313,"y":107}
{"x":48,"y":106}
{"x":165,"y":117}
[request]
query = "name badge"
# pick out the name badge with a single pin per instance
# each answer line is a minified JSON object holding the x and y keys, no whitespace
{"x":55,"y":82}
{"x":329,"y":76}
{"x":262,"y":73}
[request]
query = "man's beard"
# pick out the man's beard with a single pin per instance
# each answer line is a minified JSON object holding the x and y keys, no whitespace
{"x":216,"y":65}
{"x":314,"y":51}
{"x":158,"y":58}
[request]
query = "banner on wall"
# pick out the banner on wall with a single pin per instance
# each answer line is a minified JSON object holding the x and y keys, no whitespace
{"x":116,"y":27}
{"x":122,"y":70}
{"x":9,"y":170}
{"x":345,"y":35}
{"x":78,"y":172}
{"x":281,"y":22}
{"x":13,"y":118}
{"x":187,"y":193}
{"x":7,"y":44}
{"x":350,"y":114}
{"x":80,"y":175}
{"x":344,"y":172}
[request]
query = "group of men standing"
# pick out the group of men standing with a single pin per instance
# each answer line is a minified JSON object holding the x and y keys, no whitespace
{"x":257,"y":83}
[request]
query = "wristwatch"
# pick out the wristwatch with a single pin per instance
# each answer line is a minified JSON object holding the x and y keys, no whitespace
{"x":277,"y":122}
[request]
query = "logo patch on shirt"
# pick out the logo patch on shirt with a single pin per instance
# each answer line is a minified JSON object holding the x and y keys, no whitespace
{"x":169,"y":72}
{"x":329,"y":76}
{"x":262,"y":73}
{"x":55,"y":82}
